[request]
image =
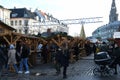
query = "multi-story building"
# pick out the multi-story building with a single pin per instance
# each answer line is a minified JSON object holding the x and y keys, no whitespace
{"x":106,"y":31}
{"x":47,"y":21}
{"x":5,"y":15}
{"x":22,"y":20}
{"x":27,"y":22}
{"x":35,"y":22}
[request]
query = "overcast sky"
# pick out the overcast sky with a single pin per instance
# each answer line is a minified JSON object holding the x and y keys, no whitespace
{"x":69,"y":9}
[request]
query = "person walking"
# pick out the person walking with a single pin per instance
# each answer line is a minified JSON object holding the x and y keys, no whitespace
{"x":12,"y":58}
{"x":62,"y":59}
{"x":25,"y":51}
{"x":57,"y":64}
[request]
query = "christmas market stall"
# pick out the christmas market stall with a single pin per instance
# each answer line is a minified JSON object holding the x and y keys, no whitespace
{"x":9,"y":36}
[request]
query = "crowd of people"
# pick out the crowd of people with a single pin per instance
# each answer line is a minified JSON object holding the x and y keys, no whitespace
{"x":50,"y":51}
{"x":8,"y":58}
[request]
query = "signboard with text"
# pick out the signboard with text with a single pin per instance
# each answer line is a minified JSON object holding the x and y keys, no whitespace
{"x":116,"y":35}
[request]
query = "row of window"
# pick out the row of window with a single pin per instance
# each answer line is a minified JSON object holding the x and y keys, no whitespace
{"x":15,"y":23}
{"x":15,"y":15}
{"x":18,"y":22}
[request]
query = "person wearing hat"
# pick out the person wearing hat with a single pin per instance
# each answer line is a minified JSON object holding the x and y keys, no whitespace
{"x":12,"y":57}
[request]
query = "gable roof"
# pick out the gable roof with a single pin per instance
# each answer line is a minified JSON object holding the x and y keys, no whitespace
{"x":20,"y":13}
{"x":7,"y":26}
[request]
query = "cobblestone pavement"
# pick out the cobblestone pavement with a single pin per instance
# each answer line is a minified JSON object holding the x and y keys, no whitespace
{"x":80,"y":70}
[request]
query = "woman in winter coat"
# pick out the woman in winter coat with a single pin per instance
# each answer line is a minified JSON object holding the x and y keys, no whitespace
{"x":12,"y":57}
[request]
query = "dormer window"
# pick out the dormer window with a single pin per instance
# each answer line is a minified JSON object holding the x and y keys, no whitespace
{"x":14,"y":15}
{"x":25,"y":15}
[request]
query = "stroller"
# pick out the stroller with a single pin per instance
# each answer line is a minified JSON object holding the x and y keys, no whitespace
{"x":104,"y":64}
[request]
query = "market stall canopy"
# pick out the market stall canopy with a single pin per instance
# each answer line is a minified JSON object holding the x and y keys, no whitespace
{"x":4,"y":28}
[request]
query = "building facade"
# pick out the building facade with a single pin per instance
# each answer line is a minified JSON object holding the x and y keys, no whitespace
{"x":27,"y":22}
{"x":22,"y":20}
{"x":106,"y":31}
{"x":47,"y":21}
{"x":5,"y":15}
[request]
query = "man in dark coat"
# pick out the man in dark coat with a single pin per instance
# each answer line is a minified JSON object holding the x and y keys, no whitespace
{"x":62,"y":59}
{"x":57,"y":61}
{"x":25,"y":51}
{"x":76,"y":50}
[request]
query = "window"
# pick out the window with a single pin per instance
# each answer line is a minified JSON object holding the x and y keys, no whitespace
{"x":15,"y":22}
{"x":14,"y":15}
{"x":11,"y":23}
{"x":25,"y":15}
{"x":20,"y":22}
{"x":26,"y":22}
